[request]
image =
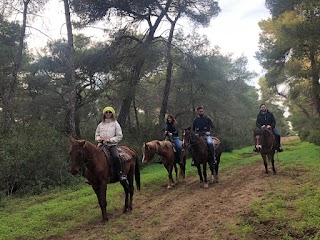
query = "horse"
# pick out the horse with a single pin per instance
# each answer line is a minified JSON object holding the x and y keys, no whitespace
{"x":165,"y":150}
{"x":198,"y":148}
{"x":98,"y":171}
{"x":266,"y":144}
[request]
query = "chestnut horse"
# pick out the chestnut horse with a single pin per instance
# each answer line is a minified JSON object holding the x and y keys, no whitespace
{"x":168,"y":157}
{"x":266,"y":144}
{"x":198,"y":148}
{"x":98,"y":170}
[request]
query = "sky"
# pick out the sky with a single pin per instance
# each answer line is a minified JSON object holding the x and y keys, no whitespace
{"x":235,"y":30}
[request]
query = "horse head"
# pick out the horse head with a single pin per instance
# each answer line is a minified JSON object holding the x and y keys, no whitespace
{"x":148,"y":151}
{"x":186,"y":136}
{"x":264,"y":139}
{"x":77,"y":155}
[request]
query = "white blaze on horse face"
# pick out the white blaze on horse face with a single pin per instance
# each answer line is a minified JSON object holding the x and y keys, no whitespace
{"x":258,"y":142}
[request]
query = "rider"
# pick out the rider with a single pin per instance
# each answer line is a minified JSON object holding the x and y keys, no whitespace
{"x":265,"y":119}
{"x":109,"y":132}
{"x":172,"y":133}
{"x":202,"y":126}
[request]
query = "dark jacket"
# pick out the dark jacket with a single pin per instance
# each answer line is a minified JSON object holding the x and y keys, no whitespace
{"x":172,"y":129}
{"x":202,"y":124}
{"x":265,"y":119}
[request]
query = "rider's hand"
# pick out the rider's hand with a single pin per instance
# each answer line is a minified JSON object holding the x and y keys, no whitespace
{"x":99,"y":139}
{"x":108,"y":140}
{"x":263,"y":126}
{"x":170,"y":134}
{"x":207,"y":133}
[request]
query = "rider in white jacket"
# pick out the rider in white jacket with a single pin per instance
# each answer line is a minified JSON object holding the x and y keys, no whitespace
{"x":109,"y":133}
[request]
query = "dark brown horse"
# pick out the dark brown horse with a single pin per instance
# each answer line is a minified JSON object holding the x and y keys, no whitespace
{"x":198,"y":148}
{"x":266,"y":144}
{"x":98,"y":170}
{"x":168,"y":156}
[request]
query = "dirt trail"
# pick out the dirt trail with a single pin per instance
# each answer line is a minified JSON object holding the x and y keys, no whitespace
{"x":187,"y":211}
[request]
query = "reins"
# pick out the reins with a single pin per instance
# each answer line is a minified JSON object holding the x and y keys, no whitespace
{"x":272,"y":145}
{"x":94,"y":156}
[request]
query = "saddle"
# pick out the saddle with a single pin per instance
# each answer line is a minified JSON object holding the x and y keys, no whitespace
{"x":123,"y":158}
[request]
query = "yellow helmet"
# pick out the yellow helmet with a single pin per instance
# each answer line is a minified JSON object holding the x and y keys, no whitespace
{"x":109,"y":109}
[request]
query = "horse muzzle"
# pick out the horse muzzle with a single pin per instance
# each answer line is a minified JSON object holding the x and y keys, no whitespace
{"x":259,"y":148}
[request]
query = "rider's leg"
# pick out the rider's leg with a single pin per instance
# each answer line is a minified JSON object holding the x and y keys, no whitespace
{"x":178,"y":148}
{"x":211,"y":148}
{"x":278,"y":139}
{"x":117,"y":169}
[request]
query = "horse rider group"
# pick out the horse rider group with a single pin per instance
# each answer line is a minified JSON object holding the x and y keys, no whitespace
{"x":109,"y":133}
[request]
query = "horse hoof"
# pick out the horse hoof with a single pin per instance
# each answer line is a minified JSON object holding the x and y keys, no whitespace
{"x":169,"y":187}
{"x":205,"y":185}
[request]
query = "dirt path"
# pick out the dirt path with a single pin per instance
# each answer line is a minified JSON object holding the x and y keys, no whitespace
{"x":188,"y":211}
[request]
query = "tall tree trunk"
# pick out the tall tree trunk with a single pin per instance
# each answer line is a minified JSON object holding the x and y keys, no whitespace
{"x":10,"y":87}
{"x":165,"y":99}
{"x":70,"y":75}
{"x":136,"y":72}
{"x":315,"y":82}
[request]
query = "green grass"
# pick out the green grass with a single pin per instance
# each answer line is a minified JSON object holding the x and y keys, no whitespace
{"x":293,"y":211}
{"x":56,"y":212}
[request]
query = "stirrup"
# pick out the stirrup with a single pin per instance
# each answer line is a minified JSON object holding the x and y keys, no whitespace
{"x":122,"y":177}
{"x":279,"y":149}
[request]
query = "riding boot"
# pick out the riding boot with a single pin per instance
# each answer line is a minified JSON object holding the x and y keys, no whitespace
{"x":122,"y":176}
{"x":279,"y":149}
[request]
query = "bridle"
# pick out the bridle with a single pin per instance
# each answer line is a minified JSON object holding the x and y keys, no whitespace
{"x":84,"y":156}
{"x":192,"y":141}
{"x":264,"y":137}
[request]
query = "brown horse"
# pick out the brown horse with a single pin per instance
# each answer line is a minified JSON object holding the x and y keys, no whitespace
{"x":168,"y":156}
{"x":198,"y":148}
{"x":98,"y":170}
{"x":266,"y":144}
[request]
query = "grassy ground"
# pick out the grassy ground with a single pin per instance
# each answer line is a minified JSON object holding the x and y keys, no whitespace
{"x":291,"y":212}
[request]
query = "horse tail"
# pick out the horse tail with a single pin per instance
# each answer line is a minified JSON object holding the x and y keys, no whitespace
{"x":137,"y":174}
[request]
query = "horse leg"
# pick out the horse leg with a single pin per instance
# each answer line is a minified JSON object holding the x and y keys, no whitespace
{"x":176,"y":171}
{"x":272,"y":163}
{"x":126,"y":192}
{"x":131,"y":187}
{"x":169,"y":169}
{"x":182,"y":171}
{"x":211,"y":166}
{"x":101,"y":190}
{"x":216,"y":170}
{"x":204,"y":165}
{"x":200,"y":173}
{"x":264,"y":157}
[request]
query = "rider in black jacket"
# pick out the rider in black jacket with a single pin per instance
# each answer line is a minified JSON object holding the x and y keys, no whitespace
{"x":202,"y":125}
{"x":265,"y":118}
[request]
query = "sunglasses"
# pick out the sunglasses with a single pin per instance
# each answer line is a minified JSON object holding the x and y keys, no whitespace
{"x":108,"y":112}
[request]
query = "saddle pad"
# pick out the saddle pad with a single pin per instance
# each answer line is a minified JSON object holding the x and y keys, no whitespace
{"x":124,"y":155}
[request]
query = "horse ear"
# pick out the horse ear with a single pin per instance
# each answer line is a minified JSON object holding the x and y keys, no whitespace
{"x":82,"y":142}
{"x":71,"y":139}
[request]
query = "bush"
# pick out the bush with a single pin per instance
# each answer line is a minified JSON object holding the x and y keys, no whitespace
{"x":314,"y":137}
{"x":33,"y":157}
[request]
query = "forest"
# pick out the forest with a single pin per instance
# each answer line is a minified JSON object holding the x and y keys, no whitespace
{"x":47,"y":97}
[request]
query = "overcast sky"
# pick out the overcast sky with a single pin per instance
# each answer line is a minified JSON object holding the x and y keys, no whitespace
{"x":235,"y":30}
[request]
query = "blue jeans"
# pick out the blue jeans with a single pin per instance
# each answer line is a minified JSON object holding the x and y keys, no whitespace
{"x":277,"y":135}
{"x":211,"y":146}
{"x":178,"y":144}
